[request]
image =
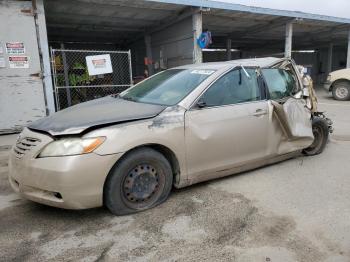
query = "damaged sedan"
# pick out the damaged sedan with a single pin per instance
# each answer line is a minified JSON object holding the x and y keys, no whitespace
{"x":179,"y":127}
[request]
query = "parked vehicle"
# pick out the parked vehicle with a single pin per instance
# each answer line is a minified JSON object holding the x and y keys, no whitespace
{"x":338,"y":82}
{"x":179,"y":127}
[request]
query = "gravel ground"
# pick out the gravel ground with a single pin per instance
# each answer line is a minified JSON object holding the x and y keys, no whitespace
{"x":297,"y":210}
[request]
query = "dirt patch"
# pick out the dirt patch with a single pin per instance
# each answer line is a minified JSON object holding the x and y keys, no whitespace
{"x":5,"y":148}
{"x":341,"y":137}
{"x":198,"y":223}
{"x":3,"y":162}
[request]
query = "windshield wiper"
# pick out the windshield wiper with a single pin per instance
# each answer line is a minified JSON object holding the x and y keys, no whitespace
{"x":127,"y":98}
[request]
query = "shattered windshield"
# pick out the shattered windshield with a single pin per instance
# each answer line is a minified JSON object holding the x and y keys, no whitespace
{"x":168,"y":87}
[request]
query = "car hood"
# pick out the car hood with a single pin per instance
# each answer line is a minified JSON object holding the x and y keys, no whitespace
{"x":100,"y":112}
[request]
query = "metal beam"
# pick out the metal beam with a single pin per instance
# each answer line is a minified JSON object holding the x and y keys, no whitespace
{"x":254,"y":10}
{"x":93,"y":27}
{"x":197,"y":21}
{"x":130,"y":4}
{"x":228,"y":48}
{"x":278,"y":22}
{"x":330,"y":58}
{"x":348,"y":55}
{"x":148,"y":44}
{"x":58,"y":17}
{"x":288,"y":40}
{"x":66,"y":76}
{"x":43,"y":45}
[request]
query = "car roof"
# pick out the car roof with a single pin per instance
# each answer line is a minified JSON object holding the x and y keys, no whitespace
{"x":256,"y":62}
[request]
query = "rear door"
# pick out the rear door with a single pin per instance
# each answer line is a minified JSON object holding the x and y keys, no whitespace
{"x":292,"y":128}
{"x":230,"y":126}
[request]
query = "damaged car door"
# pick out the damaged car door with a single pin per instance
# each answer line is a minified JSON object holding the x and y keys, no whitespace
{"x":291,"y":127}
{"x":227,"y":126}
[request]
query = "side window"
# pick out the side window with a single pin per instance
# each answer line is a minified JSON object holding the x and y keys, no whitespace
{"x":232,"y":88}
{"x":280,"y":83}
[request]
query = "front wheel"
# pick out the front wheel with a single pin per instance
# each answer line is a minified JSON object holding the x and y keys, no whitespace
{"x":141,"y":180}
{"x":321,"y":133}
{"x":341,"y":91}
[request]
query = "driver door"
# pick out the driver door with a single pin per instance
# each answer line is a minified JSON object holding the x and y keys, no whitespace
{"x":230,"y":127}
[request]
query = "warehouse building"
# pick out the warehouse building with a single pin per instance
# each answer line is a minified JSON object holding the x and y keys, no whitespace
{"x":54,"y":54}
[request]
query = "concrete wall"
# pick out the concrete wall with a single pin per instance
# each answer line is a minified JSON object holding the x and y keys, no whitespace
{"x":173,"y":46}
{"x":21,"y":90}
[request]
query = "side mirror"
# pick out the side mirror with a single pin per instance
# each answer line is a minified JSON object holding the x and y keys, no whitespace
{"x":201,"y":103}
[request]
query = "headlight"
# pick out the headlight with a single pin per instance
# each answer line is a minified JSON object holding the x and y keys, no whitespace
{"x":71,"y":146}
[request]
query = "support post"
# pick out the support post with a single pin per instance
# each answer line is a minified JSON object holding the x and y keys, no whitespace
{"x":288,"y":41}
{"x":43,"y":45}
{"x":148,"y":44}
{"x":228,"y":48}
{"x":197,"y":30}
{"x":330,"y":58}
{"x":348,"y":56}
{"x":66,"y":76}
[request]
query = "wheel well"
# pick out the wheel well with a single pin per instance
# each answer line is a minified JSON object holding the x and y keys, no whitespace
{"x":170,"y":156}
{"x":166,"y":152}
{"x":338,"y":81}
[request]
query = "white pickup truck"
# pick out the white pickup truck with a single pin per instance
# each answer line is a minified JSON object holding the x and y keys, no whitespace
{"x":338,"y":82}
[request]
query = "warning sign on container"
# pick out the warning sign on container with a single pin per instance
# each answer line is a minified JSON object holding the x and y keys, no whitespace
{"x":19,"y":61}
{"x":15,"y":48}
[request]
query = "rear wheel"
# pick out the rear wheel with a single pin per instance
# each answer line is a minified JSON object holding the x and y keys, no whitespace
{"x":321,"y":133}
{"x":341,"y":91}
{"x":141,"y":180}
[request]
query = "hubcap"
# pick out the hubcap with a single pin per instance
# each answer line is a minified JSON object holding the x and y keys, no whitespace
{"x":342,"y":92}
{"x":141,"y":183}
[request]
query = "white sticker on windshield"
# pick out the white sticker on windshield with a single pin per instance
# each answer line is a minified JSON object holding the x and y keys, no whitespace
{"x":202,"y":72}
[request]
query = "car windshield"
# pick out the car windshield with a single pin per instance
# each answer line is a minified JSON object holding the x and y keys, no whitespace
{"x":168,"y":87}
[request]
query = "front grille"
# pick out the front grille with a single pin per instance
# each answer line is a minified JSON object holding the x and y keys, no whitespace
{"x":24,"y":145}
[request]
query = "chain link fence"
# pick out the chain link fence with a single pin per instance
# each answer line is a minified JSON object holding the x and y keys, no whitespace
{"x":83,"y":75}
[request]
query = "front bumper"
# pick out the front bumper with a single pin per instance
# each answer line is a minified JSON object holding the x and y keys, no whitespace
{"x":72,"y":182}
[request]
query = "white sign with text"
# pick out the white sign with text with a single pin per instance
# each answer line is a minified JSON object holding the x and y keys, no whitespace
{"x":99,"y":64}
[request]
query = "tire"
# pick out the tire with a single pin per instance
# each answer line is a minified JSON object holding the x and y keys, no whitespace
{"x":321,"y":133}
{"x":142,"y":179}
{"x":341,"y":91}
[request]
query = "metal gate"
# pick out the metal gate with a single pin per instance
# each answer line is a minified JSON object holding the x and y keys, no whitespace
{"x":77,"y":79}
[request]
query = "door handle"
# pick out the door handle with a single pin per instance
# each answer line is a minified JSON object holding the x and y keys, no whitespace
{"x":260,"y":112}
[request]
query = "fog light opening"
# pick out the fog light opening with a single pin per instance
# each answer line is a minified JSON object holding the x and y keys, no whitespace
{"x":57,"y":195}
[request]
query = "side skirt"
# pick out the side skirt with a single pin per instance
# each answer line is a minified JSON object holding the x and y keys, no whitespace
{"x":246,"y":167}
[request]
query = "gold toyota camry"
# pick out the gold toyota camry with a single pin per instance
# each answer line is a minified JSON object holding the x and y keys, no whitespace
{"x":179,"y":127}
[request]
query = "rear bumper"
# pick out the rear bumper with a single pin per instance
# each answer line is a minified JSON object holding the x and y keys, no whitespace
{"x":327,"y":85}
{"x":71,"y":182}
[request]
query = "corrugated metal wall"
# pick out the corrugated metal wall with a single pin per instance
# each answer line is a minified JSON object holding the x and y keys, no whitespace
{"x":21,"y":90}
